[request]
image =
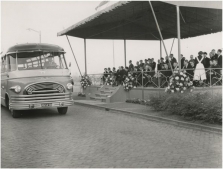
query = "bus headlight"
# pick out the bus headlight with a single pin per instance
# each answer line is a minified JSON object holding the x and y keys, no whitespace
{"x":69,"y":86}
{"x":16,"y":88}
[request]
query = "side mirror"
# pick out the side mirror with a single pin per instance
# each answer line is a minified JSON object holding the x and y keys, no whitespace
{"x":70,"y":64}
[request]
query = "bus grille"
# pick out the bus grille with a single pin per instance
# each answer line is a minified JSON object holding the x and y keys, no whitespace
{"x":44,"y":88}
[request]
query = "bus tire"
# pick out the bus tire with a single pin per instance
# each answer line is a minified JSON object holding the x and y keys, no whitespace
{"x":15,"y":113}
{"x":7,"y":101}
{"x":62,"y":110}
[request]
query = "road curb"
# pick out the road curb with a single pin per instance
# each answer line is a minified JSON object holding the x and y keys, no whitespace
{"x":156,"y":118}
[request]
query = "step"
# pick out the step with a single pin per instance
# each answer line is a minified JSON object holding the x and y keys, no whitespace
{"x":106,"y":91}
{"x":100,"y":94}
{"x":110,"y":88}
{"x":98,"y":98}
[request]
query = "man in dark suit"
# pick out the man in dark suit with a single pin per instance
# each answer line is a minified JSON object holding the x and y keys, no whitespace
{"x":153,"y":64}
{"x":137,"y":65}
{"x":141,"y":64}
{"x":109,"y":71}
{"x":191,"y":58}
{"x":172,"y":59}
{"x":219,"y":57}
{"x":159,"y":65}
{"x":182,"y":61}
{"x":118,"y":76}
{"x":185,"y":65}
{"x":206,"y":60}
{"x":131,"y":66}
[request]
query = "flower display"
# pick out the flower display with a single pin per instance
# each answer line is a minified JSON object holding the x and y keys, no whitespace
{"x":129,"y":82}
{"x":179,"y":82}
{"x":109,"y":80}
{"x":85,"y":81}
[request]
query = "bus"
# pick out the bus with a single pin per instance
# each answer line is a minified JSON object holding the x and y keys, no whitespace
{"x":35,"y":76}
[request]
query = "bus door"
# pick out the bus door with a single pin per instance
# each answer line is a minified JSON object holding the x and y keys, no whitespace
{"x":4,"y":78}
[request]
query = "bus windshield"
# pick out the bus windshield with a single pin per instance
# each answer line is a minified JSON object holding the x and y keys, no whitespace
{"x":40,"y":60}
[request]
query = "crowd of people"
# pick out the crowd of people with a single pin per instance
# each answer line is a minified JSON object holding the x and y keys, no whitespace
{"x":203,"y":70}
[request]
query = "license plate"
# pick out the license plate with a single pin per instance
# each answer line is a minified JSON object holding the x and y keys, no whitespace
{"x":46,"y":105}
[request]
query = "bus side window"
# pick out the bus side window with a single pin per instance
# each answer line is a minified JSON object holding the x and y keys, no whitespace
{"x":11,"y":62}
{"x":3,"y":65}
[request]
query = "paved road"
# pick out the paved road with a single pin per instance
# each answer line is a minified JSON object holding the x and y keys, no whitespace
{"x":88,"y":137}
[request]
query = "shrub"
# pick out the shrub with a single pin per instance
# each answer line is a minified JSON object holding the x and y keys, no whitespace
{"x":197,"y":106}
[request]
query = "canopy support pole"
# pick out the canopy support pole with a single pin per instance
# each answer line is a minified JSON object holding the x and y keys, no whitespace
{"x":125,"y":52}
{"x":85,"y":56}
{"x":172,"y":45}
{"x":113,"y":54}
{"x":178,"y":36}
{"x":74,"y":55}
{"x":160,"y":50}
{"x":154,"y":15}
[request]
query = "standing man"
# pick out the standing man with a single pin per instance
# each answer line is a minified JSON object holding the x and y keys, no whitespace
{"x":153,"y":64}
{"x":141,"y":64}
{"x":191,"y":58}
{"x":137,"y":65}
{"x":146,"y":63}
{"x":131,"y":66}
{"x":159,"y":65}
{"x":213,"y":55}
{"x":172,"y":60}
{"x":219,"y":57}
{"x":182,"y":61}
{"x":206,"y":61}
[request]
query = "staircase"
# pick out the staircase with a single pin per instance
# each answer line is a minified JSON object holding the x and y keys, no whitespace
{"x":108,"y":94}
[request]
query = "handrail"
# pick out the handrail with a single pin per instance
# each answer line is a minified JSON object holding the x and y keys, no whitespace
{"x":158,"y":78}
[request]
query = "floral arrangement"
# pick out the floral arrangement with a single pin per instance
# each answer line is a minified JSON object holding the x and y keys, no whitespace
{"x":179,"y":82}
{"x":85,"y":81}
{"x":129,"y":82}
{"x":109,"y":80}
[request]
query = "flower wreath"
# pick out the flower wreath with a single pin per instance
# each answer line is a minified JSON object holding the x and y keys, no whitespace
{"x":85,"y":81}
{"x":109,"y":80}
{"x":129,"y":82}
{"x":179,"y":82}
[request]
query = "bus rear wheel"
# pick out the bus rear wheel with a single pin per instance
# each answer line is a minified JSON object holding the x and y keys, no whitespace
{"x":15,"y":113}
{"x":62,"y":110}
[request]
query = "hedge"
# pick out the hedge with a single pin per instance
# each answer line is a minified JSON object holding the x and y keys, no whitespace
{"x":197,"y":106}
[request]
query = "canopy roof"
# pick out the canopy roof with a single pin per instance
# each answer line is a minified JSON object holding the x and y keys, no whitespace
{"x":31,"y":47}
{"x":133,"y":20}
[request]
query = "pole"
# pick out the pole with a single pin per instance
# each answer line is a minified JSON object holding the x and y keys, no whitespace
{"x":125,"y":52}
{"x":178,"y":35}
{"x":74,"y":55}
{"x":113,"y":54}
{"x":39,"y":36}
{"x":160,"y":50}
{"x":172,"y":45}
{"x":85,"y":56}
{"x":160,"y":33}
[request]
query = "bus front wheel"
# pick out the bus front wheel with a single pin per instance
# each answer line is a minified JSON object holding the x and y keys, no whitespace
{"x":62,"y":110}
{"x":15,"y":113}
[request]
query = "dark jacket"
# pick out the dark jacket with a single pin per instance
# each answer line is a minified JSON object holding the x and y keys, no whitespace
{"x":206,"y":62}
{"x":182,"y":62}
{"x":153,"y":65}
{"x":131,"y":67}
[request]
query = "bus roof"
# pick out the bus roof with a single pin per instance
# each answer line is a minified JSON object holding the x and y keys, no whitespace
{"x":31,"y":47}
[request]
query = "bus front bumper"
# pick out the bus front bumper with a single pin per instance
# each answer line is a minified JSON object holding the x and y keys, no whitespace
{"x":40,"y":101}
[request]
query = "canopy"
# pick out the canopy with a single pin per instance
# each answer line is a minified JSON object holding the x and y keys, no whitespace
{"x":133,"y":20}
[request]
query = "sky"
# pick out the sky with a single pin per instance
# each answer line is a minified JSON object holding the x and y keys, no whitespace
{"x":52,"y":17}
